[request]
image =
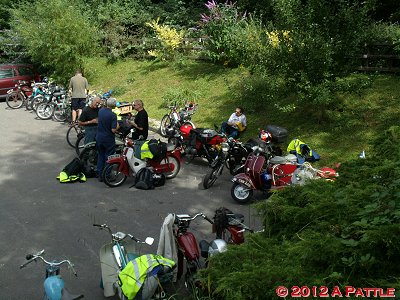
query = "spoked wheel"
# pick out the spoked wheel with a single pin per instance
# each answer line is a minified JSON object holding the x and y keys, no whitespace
{"x":45,"y":111}
{"x":177,"y":166}
{"x":59,"y":114}
{"x":28,"y":103}
{"x":165,"y":123}
{"x":73,"y":134}
{"x":80,"y":143}
{"x":37,"y":101}
{"x":212,"y":176}
{"x":15,"y":100}
{"x":88,"y":157}
{"x":112,"y":176}
{"x":241,"y":194}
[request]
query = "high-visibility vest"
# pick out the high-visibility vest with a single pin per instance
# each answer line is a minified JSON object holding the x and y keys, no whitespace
{"x":117,"y":111}
{"x":64,"y":177}
{"x":132,"y":277}
{"x":145,"y":151}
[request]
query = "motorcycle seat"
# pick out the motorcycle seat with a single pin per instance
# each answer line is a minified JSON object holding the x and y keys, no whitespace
{"x":288,"y":159}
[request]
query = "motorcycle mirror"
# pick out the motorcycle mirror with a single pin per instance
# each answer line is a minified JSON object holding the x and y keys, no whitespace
{"x":149,"y":241}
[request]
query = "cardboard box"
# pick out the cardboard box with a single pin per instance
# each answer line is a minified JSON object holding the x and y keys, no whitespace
{"x":126,"y":109}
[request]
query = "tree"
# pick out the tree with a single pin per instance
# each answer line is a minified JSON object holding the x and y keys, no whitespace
{"x":56,"y":34}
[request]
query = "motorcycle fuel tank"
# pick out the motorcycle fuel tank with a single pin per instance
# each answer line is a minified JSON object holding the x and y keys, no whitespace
{"x":187,"y":242}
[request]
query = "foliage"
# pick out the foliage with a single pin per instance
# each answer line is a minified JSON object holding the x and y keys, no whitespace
{"x":59,"y":42}
{"x":179,"y":97}
{"x":170,"y":40}
{"x":323,"y":233}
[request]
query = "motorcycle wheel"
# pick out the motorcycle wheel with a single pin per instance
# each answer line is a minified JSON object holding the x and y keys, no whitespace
{"x":165,"y":123}
{"x":45,"y":111}
{"x":241,"y":194}
{"x":112,"y":177}
{"x":37,"y":101}
{"x":28,"y":103}
{"x":212,"y":176}
{"x":177,"y":166}
{"x":15,"y":100}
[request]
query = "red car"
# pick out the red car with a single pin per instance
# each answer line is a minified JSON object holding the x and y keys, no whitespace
{"x":10,"y":74}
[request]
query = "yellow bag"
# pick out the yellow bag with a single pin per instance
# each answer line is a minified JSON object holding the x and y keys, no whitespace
{"x":240,"y":126}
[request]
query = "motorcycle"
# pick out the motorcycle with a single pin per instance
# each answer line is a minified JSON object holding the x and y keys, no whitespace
{"x":197,"y":142}
{"x":121,"y":166}
{"x":54,"y":287}
{"x":115,"y":257}
{"x":266,"y":173}
{"x":180,"y":245}
{"x":177,"y":118}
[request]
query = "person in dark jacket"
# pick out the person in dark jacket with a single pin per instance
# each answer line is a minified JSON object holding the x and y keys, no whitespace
{"x":140,"y":123}
{"x":88,"y":119}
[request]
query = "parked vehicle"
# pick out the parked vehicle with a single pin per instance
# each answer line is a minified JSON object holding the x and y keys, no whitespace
{"x":267,"y":173}
{"x":19,"y":95}
{"x":74,"y":132}
{"x":178,"y":117}
{"x":185,"y":243}
{"x":54,"y":286}
{"x":197,"y":142}
{"x":54,"y":105}
{"x":10,"y":74}
{"x":115,"y":257}
{"x":121,"y":166}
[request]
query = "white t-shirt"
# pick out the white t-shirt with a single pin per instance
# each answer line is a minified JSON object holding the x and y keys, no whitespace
{"x":237,"y":119}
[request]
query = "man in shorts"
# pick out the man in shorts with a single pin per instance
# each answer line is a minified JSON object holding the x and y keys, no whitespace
{"x":79,"y":87}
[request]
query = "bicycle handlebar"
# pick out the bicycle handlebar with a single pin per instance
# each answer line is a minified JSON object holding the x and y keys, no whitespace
{"x":105,"y":226}
{"x":33,"y":257}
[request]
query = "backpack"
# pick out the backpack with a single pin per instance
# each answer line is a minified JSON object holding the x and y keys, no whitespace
{"x":144,"y":179}
{"x":157,"y":148}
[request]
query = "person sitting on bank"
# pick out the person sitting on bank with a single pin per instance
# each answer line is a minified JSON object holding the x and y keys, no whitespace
{"x":236,"y":123}
{"x":140,"y":124}
{"x":88,"y":119}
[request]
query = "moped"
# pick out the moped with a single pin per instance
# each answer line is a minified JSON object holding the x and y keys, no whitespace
{"x":54,"y":288}
{"x":119,"y":167}
{"x":267,"y":173}
{"x":116,"y":255}
{"x":17,"y":96}
{"x":177,"y":118}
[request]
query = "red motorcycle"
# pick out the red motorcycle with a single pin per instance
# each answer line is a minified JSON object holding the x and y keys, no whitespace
{"x":127,"y":164}
{"x":199,"y":142}
{"x":266,"y":174}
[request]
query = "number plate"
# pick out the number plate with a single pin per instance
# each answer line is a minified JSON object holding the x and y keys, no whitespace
{"x":114,"y":156}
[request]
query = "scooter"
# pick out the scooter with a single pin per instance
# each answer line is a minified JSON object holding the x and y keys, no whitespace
{"x":267,"y":173}
{"x":54,"y":287}
{"x":116,"y":255}
{"x":119,"y":167}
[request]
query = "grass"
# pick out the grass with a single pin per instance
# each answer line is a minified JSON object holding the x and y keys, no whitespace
{"x":342,"y":136}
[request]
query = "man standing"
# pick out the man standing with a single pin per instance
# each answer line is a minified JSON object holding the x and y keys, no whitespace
{"x":79,"y":87}
{"x":88,"y":119}
{"x":237,"y":122}
{"x":105,"y":137}
{"x":141,"y":121}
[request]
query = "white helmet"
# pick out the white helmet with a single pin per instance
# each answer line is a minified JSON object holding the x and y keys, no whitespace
{"x":217,"y":246}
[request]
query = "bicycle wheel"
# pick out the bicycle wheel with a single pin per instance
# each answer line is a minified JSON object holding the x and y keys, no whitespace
{"x":59,"y":114}
{"x":15,"y":100}
{"x":165,"y":123}
{"x":80,"y":144}
{"x":72,"y":135}
{"x":45,"y":111}
{"x":112,"y":176}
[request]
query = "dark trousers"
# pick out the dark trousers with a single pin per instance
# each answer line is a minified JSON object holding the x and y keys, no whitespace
{"x":104,"y":150}
{"x":229,"y":130}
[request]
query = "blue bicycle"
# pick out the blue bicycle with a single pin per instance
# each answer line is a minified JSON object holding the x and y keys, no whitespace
{"x":53,"y":284}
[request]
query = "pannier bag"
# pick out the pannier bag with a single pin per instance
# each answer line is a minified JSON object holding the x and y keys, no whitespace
{"x":279,"y":134}
{"x":158,"y":148}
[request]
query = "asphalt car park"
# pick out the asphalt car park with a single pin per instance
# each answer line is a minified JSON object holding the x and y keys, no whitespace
{"x":37,"y":212}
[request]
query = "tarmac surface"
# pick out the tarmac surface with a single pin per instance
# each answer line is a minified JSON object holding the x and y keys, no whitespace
{"x":37,"y":212}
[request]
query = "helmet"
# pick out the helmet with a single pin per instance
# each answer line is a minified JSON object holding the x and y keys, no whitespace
{"x":45,"y":80}
{"x":217,"y":246}
{"x":170,"y":131}
{"x":266,"y":136}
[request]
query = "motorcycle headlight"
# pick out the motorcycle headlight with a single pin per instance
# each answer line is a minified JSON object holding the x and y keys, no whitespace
{"x":225,"y":147}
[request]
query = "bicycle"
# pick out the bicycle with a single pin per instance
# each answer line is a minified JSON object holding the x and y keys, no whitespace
{"x":178,"y":117}
{"x":53,"y":284}
{"x":18,"y":96}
